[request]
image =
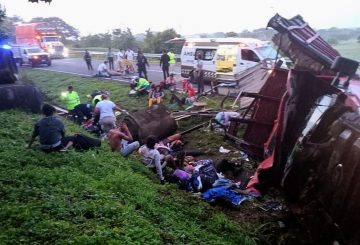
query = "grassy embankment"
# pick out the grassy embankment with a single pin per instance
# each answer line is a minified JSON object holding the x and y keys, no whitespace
{"x":92,"y":197}
{"x":52,"y":84}
{"x":350,"y":49}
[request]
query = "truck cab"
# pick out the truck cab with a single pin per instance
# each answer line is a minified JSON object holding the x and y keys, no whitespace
{"x":43,"y":35}
{"x":31,"y":55}
{"x":54,"y":46}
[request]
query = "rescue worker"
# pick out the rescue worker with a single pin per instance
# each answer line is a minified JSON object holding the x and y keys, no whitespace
{"x":71,"y":99}
{"x":140,"y":85}
{"x":172,"y":60}
{"x":97,"y":98}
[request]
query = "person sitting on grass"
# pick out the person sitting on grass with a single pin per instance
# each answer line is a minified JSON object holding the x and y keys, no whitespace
{"x":119,"y":139}
{"x":169,"y":83}
{"x":103,"y":70}
{"x":140,"y":85}
{"x":51,"y":132}
{"x":156,"y":95}
{"x":151,"y":157}
{"x":190,"y":92}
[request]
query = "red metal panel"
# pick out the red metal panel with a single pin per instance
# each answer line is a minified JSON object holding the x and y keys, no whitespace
{"x":266,"y":110}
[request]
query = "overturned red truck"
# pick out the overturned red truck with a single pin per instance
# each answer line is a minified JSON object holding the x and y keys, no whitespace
{"x":304,"y":126}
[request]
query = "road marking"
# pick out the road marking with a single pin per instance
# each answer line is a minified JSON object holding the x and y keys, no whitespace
{"x":86,"y":75}
{"x":176,"y":73}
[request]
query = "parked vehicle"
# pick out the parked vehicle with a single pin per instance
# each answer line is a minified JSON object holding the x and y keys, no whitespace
{"x":223,"y":58}
{"x":42,"y":35}
{"x":31,"y":55}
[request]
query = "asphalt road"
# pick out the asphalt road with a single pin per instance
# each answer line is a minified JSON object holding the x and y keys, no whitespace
{"x":77,"y":66}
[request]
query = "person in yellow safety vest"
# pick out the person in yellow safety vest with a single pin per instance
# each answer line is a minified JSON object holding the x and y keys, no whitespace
{"x":71,"y":99}
{"x":96,"y":99}
{"x":172,"y":61}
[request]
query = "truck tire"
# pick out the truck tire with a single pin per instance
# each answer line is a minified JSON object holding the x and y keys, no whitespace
{"x":48,"y":63}
{"x":31,"y":63}
{"x":21,"y":62}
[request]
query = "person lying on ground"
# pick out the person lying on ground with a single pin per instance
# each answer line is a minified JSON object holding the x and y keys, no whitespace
{"x":169,"y":83}
{"x":223,"y":117}
{"x":140,"y":85}
{"x":119,"y":139}
{"x":51,"y":132}
{"x":156,"y":96}
{"x":151,"y":157}
{"x":105,"y":109}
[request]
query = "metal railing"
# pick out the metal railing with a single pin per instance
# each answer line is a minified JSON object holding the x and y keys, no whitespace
{"x":98,"y":54}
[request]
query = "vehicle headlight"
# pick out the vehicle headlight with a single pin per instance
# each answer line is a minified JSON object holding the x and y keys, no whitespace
{"x":51,"y":50}
{"x":66,"y":50}
{"x":35,"y":57}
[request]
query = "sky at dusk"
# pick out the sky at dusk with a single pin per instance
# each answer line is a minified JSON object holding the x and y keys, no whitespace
{"x":186,"y":16}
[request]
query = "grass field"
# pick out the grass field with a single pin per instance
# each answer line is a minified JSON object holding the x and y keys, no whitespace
{"x":350,"y":49}
{"x":97,"y":197}
{"x":52,"y":84}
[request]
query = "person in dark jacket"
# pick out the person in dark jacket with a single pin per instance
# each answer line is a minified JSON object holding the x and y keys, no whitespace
{"x":87,"y":58}
{"x":51,"y":132}
{"x":110,"y":57}
{"x":164,"y":64}
{"x":142,"y":63}
{"x":83,"y":110}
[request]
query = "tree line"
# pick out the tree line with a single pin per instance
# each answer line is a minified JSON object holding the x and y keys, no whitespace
{"x":150,"y":41}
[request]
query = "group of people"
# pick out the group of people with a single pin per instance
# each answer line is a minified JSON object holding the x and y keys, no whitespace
{"x":125,"y":63}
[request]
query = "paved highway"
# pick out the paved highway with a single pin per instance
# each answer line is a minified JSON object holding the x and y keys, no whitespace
{"x":77,"y":66}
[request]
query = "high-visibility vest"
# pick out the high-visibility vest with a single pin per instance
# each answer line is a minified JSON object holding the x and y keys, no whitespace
{"x":172,"y":58}
{"x":142,"y":83}
{"x":96,"y":98}
{"x":72,"y":100}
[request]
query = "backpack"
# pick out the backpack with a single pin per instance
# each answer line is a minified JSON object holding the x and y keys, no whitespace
{"x":208,"y":174}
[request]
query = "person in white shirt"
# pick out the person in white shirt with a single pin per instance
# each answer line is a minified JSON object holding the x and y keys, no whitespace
{"x":151,"y":157}
{"x":106,"y":109}
{"x":102,"y":70}
{"x":120,"y":57}
{"x":129,"y":56}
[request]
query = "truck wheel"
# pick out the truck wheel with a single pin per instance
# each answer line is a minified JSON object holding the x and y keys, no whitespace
{"x":49,"y":63}
{"x":21,"y":62}
{"x":31,"y":63}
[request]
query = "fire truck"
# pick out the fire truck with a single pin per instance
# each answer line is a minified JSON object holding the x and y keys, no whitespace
{"x":43,"y":35}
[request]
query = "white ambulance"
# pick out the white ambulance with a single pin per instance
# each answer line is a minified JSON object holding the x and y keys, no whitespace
{"x":223,"y":57}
